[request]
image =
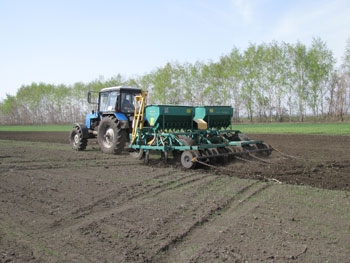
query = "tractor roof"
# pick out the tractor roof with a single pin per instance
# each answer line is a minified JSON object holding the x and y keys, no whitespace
{"x":120,"y":88}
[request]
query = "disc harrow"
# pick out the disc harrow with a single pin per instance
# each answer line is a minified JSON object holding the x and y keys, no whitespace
{"x":214,"y":156}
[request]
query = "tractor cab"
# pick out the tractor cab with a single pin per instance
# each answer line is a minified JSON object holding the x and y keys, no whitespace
{"x":115,"y":102}
{"x":117,"y":99}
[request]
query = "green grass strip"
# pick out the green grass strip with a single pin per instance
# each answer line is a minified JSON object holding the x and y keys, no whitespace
{"x":295,"y":128}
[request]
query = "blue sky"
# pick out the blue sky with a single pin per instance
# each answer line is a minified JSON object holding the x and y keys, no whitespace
{"x":67,"y":41}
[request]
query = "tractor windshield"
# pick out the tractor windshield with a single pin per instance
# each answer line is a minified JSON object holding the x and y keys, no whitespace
{"x":108,"y":101}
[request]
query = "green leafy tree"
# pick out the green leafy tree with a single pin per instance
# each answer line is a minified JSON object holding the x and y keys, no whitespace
{"x":299,"y":77}
{"x":231,"y":67}
{"x":321,"y":63}
{"x":163,"y":84}
{"x":346,"y":58}
{"x":276,"y":68}
{"x":9,"y":110}
{"x":250,"y":79}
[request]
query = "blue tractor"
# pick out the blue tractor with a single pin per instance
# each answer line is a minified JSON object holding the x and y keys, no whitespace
{"x":110,"y":122}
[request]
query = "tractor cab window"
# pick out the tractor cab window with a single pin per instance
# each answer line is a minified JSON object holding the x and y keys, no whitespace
{"x":128,"y":100}
{"x":103,"y":102}
{"x":108,"y":101}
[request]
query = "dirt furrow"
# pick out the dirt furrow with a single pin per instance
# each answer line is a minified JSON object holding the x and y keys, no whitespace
{"x":94,"y":225}
{"x":120,"y":200}
{"x":161,"y":228}
{"x":184,"y":248}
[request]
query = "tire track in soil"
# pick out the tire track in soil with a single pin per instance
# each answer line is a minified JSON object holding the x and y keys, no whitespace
{"x":206,"y":227}
{"x":93,"y":226}
{"x":102,"y":207}
{"x":93,"y":223}
{"x":95,"y":220}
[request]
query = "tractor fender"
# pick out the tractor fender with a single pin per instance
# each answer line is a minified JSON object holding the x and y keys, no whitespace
{"x":83,"y":128}
{"x":124,"y":124}
{"x":122,"y":120}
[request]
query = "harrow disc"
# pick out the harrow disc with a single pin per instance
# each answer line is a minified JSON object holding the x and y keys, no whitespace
{"x":231,"y":151}
{"x":267,"y":149}
{"x":224,"y":153}
{"x":212,"y":153}
{"x":243,"y":152}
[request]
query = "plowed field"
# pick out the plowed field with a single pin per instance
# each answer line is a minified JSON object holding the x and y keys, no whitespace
{"x":58,"y":205}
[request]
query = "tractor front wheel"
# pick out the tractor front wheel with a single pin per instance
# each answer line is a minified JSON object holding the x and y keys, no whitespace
{"x":77,"y":140}
{"x":110,"y":137}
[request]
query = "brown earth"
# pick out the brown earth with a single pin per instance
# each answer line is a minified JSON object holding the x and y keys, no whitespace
{"x":58,"y":205}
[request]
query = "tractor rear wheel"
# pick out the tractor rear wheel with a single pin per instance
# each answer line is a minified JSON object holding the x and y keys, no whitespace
{"x":77,"y":140}
{"x":110,"y":137}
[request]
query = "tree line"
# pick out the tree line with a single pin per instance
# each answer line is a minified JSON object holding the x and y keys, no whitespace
{"x":265,"y":82}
